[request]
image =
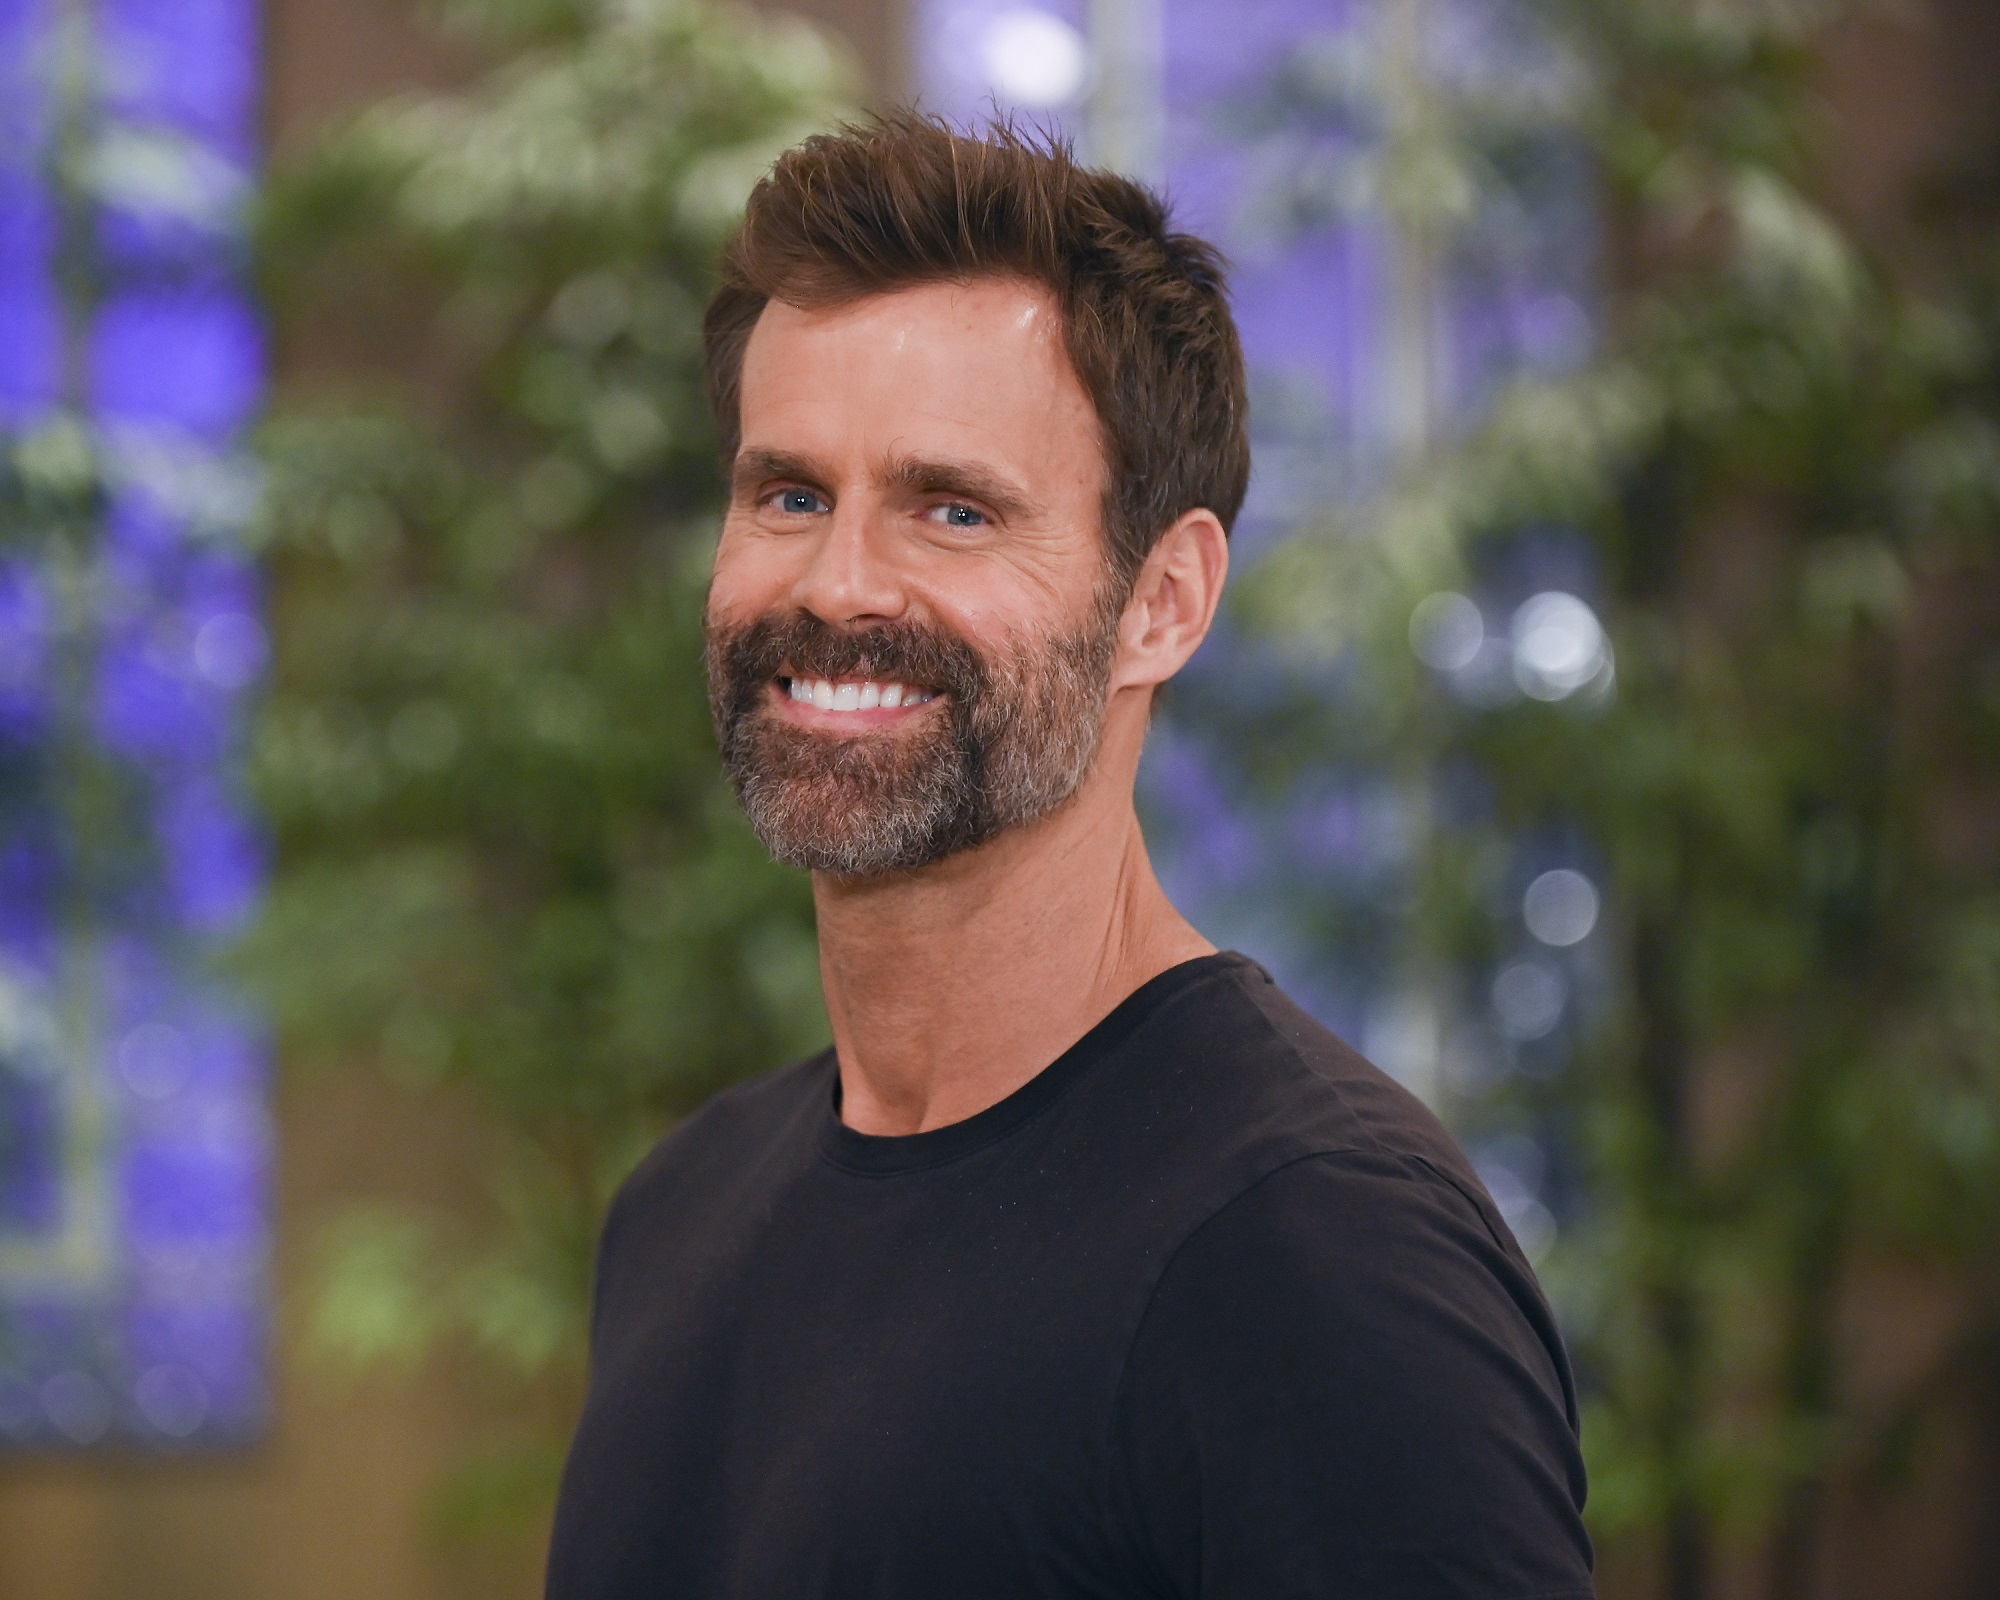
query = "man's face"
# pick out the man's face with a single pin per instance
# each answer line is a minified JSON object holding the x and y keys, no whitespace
{"x":911,"y":626}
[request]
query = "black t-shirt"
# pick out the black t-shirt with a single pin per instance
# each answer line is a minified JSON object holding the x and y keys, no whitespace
{"x":1209,"y":1307}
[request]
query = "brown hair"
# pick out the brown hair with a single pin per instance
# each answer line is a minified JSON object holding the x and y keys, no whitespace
{"x":903,"y":200}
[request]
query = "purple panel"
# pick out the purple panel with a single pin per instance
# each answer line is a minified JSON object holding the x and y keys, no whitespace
{"x":1221,"y":59}
{"x":191,"y":63}
{"x":26,"y":237}
{"x":1222,"y":50}
{"x":30,"y":361}
{"x":23,"y":26}
{"x":163,"y":1343}
{"x":168,"y":1039}
{"x":19,"y":20}
{"x":24,"y":649}
{"x":170,"y":675}
{"x":144,"y":544}
{"x":215,"y":857}
{"x":1304,"y":286}
{"x":1215,"y":847}
{"x":954,"y":48}
{"x":30,"y":1177}
{"x":188,"y":1190}
{"x":192,"y":359}
{"x":177,"y":245}
{"x":197,"y":1368}
{"x":28,"y":886}
{"x":149,"y":705}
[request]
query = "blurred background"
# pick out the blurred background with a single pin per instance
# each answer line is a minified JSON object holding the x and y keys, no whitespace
{"x":1603,"y":732}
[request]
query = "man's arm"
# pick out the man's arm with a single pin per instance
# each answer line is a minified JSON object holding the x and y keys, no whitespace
{"x":1348,"y":1384}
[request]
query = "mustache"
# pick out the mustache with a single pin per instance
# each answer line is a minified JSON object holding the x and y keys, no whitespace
{"x":804,"y":646}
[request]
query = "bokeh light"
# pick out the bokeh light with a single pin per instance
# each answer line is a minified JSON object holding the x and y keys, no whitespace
{"x":1559,"y":646}
{"x":1446,"y":631}
{"x":1034,"y":59}
{"x":1529,"y":996}
{"x":1560,"y":907}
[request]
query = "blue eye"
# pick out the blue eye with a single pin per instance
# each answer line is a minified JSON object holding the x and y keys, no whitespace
{"x":958,"y":516}
{"x":799,"y":502}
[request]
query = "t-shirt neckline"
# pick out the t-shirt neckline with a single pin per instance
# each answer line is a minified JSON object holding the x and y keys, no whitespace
{"x":883,"y":1155}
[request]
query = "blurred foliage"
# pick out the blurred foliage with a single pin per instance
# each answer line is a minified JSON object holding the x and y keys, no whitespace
{"x":1782,"y":466}
{"x":506,"y":860}
{"x":58,"y":780}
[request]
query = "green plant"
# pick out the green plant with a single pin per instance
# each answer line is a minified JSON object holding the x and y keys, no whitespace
{"x":1784,"y":464}
{"x":505,"y":858}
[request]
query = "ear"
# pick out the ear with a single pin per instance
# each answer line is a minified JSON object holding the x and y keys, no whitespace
{"x":1173,"y":601}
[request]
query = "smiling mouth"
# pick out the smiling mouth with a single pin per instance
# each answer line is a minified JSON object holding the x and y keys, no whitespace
{"x":854,"y":694}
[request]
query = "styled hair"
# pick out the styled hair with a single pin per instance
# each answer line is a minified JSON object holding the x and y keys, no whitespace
{"x":902,"y":200}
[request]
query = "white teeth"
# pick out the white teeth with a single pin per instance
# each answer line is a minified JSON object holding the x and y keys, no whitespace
{"x":866,"y":696}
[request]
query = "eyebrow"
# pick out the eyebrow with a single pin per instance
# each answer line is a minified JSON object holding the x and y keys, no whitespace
{"x":756,"y":465}
{"x":922,"y":476}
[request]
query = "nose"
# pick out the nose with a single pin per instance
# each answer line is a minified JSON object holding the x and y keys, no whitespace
{"x":851,"y":577}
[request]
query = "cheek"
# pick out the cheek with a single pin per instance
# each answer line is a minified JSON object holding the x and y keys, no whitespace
{"x":749,"y":578}
{"x":980,"y":601}
{"x":1018,"y":600}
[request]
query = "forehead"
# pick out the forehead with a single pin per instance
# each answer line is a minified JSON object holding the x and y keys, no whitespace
{"x":951,"y":368}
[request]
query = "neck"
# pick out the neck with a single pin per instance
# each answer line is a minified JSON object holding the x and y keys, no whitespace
{"x":950,"y":987}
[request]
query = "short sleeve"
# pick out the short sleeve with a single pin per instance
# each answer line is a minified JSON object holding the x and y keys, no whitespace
{"x":1347,"y":1384}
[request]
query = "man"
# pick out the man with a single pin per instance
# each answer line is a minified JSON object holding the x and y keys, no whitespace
{"x":1084,"y":1263}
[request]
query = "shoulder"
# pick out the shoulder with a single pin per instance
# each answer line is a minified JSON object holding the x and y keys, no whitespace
{"x":1375,"y":1256}
{"x":1308,"y":1182}
{"x":1348,"y":1381}
{"x":1235,"y":1064}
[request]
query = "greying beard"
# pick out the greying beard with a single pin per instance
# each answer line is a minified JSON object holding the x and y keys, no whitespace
{"x":1010,"y":741}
